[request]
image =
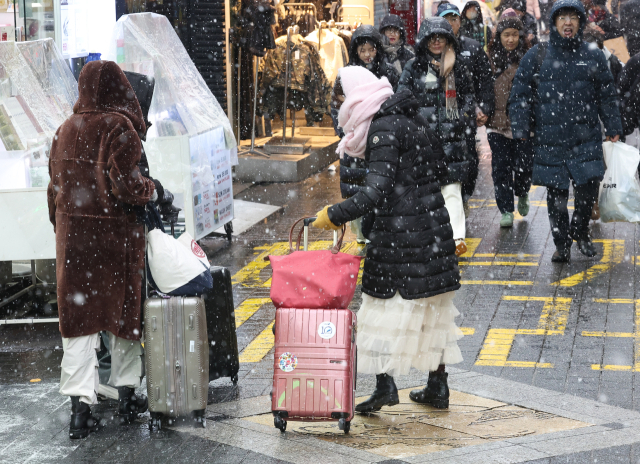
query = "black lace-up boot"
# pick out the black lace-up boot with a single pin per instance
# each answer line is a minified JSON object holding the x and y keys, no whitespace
{"x":82,"y":422}
{"x":385,"y":394}
{"x":436,"y":393}
{"x":130,"y":404}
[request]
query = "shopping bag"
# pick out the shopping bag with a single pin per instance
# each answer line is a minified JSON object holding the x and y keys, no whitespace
{"x":620,"y":190}
{"x":318,"y":279}
{"x":176,"y":267}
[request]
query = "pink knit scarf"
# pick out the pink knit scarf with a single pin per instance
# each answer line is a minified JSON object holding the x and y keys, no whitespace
{"x":356,"y":113}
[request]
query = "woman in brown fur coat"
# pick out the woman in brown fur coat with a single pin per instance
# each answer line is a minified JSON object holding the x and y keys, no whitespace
{"x":99,"y":245}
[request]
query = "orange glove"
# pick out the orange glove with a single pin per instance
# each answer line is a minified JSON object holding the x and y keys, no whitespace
{"x":323,"y":222}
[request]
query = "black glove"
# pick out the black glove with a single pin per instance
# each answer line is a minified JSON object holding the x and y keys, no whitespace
{"x":168,"y":212}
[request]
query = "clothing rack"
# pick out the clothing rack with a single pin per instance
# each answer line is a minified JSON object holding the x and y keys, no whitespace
{"x":315,"y":14}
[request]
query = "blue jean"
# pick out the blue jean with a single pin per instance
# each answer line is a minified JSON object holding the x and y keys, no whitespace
{"x":511,"y":169}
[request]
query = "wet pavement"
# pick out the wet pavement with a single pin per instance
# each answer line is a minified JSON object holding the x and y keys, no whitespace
{"x":551,"y":342}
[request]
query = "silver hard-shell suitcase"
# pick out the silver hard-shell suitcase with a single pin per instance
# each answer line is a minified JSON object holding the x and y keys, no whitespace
{"x":177,"y":358}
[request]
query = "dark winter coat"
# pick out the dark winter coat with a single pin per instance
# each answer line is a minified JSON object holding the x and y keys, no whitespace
{"x":398,"y":54}
{"x":611,"y":27}
{"x":475,"y":29}
{"x":473,"y":56}
{"x":412,"y":249}
{"x":353,"y":171}
{"x":575,"y":88}
{"x":629,"y":88}
{"x":94,"y":180}
{"x":630,"y":19}
{"x":431,"y":98}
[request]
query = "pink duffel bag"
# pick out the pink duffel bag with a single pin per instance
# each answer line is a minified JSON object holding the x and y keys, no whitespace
{"x":319,"y":279}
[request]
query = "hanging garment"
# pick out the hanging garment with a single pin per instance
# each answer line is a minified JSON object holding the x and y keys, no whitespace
{"x":305,"y":75}
{"x":260,"y":16}
{"x":332,"y":52}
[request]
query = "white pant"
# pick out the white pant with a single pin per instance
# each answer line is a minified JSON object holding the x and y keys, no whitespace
{"x":452,"y":194}
{"x":79,"y":376}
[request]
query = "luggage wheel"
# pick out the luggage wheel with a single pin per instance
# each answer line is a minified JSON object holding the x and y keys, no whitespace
{"x":345,"y":425}
{"x":155,"y":422}
{"x":280,"y":423}
{"x":199,"y":419}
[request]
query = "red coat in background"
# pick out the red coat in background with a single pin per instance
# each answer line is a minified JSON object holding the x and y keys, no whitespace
{"x":94,"y":180}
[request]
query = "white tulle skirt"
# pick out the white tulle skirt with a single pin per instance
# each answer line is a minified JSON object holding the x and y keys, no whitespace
{"x":395,"y":334}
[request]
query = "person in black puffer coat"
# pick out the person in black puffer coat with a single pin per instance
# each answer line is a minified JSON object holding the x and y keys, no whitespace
{"x":410,"y":271}
{"x":474,"y":25}
{"x":630,"y":21}
{"x":473,"y":56}
{"x":629,"y":88}
{"x":394,"y":40}
{"x":566,"y":91}
{"x":353,"y":171}
{"x":446,"y":99}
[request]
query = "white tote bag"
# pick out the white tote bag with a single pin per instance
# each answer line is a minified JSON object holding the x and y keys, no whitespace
{"x":176,"y":267}
{"x":620,"y":190}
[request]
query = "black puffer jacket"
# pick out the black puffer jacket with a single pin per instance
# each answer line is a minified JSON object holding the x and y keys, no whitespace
{"x":477,"y":62}
{"x":354,"y":170}
{"x":422,"y":78}
{"x":412,"y":249}
{"x":397,"y":54}
{"x":475,"y":29}
{"x":568,"y":96}
{"x":629,"y":88}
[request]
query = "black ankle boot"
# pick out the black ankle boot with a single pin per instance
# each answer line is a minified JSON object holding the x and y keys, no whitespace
{"x":436,"y":393}
{"x":130,"y":404}
{"x":586,"y":247}
{"x":82,"y":422}
{"x":385,"y":394}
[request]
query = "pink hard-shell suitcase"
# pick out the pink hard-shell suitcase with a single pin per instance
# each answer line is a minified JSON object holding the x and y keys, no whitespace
{"x":314,"y":367}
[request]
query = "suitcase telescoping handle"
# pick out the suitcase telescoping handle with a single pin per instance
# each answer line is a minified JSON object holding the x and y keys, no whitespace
{"x":303,"y":236}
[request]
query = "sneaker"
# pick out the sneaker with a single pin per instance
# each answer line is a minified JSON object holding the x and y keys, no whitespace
{"x":523,"y":205}
{"x":507,"y":220}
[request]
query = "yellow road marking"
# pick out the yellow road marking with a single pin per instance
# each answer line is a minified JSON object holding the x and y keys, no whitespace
{"x":635,"y":335}
{"x":259,"y":346}
{"x":472,"y":246}
{"x":608,"y":334}
{"x":492,"y":203}
{"x":249,"y":276}
{"x":555,"y":312}
{"x":496,"y":263}
{"x":612,"y":254}
{"x":248,"y":308}
{"x":498,"y":342}
{"x":468,"y":331}
{"x":496,"y":282}
{"x":496,"y":348}
{"x":614,"y":300}
{"x":610,"y":367}
{"x":504,"y":255}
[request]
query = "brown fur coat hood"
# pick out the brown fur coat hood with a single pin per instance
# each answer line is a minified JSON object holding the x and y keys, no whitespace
{"x":94,"y":180}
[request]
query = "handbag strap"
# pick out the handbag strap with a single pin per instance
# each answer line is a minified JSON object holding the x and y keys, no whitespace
{"x":334,"y":249}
